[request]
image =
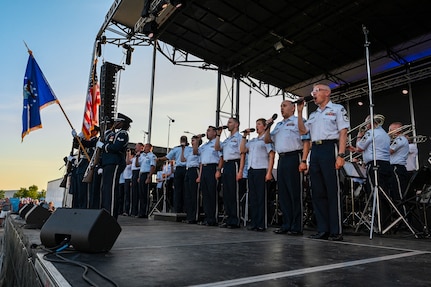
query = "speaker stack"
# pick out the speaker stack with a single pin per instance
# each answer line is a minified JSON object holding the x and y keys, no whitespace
{"x":87,"y":230}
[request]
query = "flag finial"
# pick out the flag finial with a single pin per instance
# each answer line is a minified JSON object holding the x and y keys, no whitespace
{"x":28,"y":50}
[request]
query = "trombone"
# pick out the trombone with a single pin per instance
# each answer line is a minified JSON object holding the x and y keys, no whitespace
{"x":378,"y":119}
{"x":406,"y":130}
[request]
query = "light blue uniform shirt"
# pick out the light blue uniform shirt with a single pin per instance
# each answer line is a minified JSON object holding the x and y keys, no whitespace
{"x":286,"y":137}
{"x":208,"y":154}
{"x":193,"y":160}
{"x":382,"y":141}
{"x":326,"y":124}
{"x":258,"y":152}
{"x":147,"y":160}
{"x":127,"y":173}
{"x":401,"y":147}
{"x":175,"y":154}
{"x":231,"y":147}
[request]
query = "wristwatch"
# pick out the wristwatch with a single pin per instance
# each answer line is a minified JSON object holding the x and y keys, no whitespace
{"x":342,"y":155}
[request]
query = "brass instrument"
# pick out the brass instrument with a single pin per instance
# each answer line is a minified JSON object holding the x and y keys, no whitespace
{"x":418,"y":139}
{"x":378,"y":119}
{"x":403,"y":130}
{"x":406,"y":131}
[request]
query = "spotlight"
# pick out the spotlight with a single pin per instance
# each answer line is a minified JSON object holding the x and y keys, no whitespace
{"x":129,"y":51}
{"x":360,"y":103}
{"x":405,"y":91}
{"x":278,"y":46}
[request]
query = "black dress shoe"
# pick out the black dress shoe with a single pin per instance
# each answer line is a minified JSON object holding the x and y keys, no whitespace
{"x":319,"y":235}
{"x":223,"y":225}
{"x":260,"y":229}
{"x":335,"y":237}
{"x":294,"y":233}
{"x":281,"y":231}
{"x":252,"y":228}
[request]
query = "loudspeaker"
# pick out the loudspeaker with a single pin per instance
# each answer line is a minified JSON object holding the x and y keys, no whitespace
{"x":36,"y":217}
{"x":24,"y":210}
{"x":87,"y":230}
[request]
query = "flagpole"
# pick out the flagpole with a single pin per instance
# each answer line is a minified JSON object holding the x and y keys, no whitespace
{"x":64,"y":113}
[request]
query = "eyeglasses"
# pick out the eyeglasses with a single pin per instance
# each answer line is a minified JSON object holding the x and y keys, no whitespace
{"x":317,"y":90}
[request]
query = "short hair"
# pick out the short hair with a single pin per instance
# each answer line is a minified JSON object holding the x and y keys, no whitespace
{"x":262,"y":120}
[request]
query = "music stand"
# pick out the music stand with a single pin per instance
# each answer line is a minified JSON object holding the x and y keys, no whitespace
{"x":353,"y":172}
{"x":376,"y":188}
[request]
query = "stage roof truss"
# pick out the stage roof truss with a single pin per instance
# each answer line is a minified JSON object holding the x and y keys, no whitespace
{"x":284,"y":47}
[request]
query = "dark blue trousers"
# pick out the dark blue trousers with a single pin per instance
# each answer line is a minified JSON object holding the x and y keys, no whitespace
{"x":289,"y":181}
{"x":325,"y":188}
{"x":257,"y":197}
{"x":209,"y":193}
{"x":192,"y":194}
{"x":230,"y":192}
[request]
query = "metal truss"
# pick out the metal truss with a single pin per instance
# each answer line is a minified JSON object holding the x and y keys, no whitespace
{"x":381,"y":84}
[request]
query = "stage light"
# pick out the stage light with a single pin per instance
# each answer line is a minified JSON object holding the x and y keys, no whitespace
{"x":278,"y":46}
{"x":360,"y":103}
{"x":405,"y":91}
{"x":129,"y":51}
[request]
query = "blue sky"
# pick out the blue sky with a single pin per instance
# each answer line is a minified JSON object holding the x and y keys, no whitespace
{"x":61,"y":35}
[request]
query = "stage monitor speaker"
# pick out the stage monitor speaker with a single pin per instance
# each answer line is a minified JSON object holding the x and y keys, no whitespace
{"x":36,"y":217}
{"x":87,"y":230}
{"x":24,"y":210}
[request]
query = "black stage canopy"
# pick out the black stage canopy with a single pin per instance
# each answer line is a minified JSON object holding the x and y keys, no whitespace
{"x":292,"y":44}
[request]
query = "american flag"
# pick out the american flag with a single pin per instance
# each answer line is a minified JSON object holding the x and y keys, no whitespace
{"x":92,"y":102}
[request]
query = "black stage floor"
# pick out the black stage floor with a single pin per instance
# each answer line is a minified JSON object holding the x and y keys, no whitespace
{"x":152,"y":252}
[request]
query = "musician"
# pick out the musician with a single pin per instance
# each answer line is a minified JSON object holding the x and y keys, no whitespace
{"x":328,"y":127}
{"x":399,"y":152}
{"x":292,"y":149}
{"x":382,"y":143}
{"x":191,"y":195}
{"x":231,"y":156}
{"x":113,"y":162}
{"x":147,"y":164}
{"x":134,"y":205}
{"x":260,"y":163}
{"x":126,"y":191}
{"x":209,"y":165}
{"x":179,"y":154}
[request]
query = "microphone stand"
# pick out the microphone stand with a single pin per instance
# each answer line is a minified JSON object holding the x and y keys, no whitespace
{"x":376,"y":187}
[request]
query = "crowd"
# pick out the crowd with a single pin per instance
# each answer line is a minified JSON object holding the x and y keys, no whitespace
{"x":194,"y":176}
{"x":6,"y":206}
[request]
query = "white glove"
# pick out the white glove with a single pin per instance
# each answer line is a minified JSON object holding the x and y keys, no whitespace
{"x":70,"y":158}
{"x":99,"y":144}
{"x":74,"y":134}
{"x":99,"y":171}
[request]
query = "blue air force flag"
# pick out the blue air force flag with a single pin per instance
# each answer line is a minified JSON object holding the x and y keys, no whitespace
{"x":37,"y":94}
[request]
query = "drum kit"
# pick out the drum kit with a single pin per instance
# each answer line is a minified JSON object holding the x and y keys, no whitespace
{"x":412,"y":209}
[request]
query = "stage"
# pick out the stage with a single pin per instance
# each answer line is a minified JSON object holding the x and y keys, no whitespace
{"x":152,"y":252}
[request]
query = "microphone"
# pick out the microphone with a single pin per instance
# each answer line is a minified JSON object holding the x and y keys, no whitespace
{"x":249,"y":130}
{"x":222,"y":128}
{"x":202,"y":135}
{"x":303,"y":99}
{"x":274,"y":117}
